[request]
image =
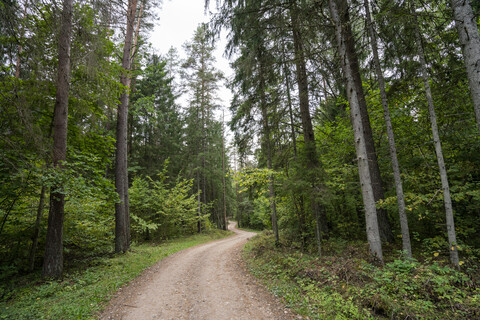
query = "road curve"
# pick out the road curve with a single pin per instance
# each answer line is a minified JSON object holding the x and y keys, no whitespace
{"x":207,"y":282}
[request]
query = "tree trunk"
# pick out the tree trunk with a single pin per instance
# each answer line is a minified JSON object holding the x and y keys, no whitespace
{"x":131,"y":86}
{"x":225,"y":224}
{"x":385,"y":228}
{"x":122,"y":219}
{"x":268,"y":148}
{"x":236,"y":188}
{"x":452,"y":239}
{"x":308,"y":135}
{"x":300,"y":208}
{"x":199,"y":203}
{"x":53,"y":258}
{"x":36,"y":230}
{"x":470,"y":40}
{"x":290,"y":111}
{"x":339,"y":13}
{"x":391,"y":139}
{"x":137,"y":33}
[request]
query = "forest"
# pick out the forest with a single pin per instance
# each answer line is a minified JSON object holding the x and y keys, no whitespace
{"x":356,"y":127}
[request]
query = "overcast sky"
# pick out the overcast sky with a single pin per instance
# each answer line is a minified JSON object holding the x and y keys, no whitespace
{"x":177,"y":23}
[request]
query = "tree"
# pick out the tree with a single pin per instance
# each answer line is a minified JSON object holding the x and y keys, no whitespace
{"x":225,"y":222}
{"x":122,"y":219}
{"x":452,"y":238}
{"x":391,"y":138}
{"x":346,"y":49}
{"x":470,"y":40}
{"x":203,"y":135}
{"x":155,"y":121}
{"x":53,"y":258}
{"x":266,"y":139}
{"x":308,"y":134}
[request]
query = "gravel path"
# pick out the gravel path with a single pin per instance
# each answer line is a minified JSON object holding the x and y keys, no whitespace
{"x":206,"y":282}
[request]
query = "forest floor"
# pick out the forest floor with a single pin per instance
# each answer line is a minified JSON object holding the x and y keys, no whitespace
{"x":348,"y":284}
{"x":209,"y":281}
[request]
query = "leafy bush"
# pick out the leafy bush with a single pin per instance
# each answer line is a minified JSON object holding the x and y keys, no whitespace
{"x":162,"y":211}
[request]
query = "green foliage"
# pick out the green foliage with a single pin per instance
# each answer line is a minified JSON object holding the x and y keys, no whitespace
{"x":160,"y":211}
{"x":254,"y":178}
{"x":90,"y":198}
{"x":343,"y":286}
{"x":204,"y":146}
{"x":406,"y":288}
{"x":26,"y":110}
{"x":155,"y":121}
{"x":85,"y":289}
{"x":306,"y":287}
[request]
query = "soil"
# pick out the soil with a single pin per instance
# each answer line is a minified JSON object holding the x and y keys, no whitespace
{"x":207,"y":282}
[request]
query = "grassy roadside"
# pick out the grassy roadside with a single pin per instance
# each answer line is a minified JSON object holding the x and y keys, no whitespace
{"x":83,"y":294}
{"x":344,"y":286}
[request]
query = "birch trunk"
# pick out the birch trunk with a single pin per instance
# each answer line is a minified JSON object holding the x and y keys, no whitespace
{"x":53,"y":257}
{"x":337,"y":10}
{"x":452,"y":238}
{"x":391,"y":138}
{"x":121,"y":174}
{"x":470,"y":40}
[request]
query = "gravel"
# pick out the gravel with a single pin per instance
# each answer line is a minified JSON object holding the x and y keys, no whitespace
{"x":207,"y":282}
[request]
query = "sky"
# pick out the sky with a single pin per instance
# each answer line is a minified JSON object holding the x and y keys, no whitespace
{"x":177,"y":23}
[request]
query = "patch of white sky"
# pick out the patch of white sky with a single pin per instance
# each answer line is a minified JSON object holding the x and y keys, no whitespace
{"x":178,"y":20}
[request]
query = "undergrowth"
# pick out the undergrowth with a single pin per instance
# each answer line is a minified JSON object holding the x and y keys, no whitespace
{"x":82,"y":294}
{"x":345,"y":286}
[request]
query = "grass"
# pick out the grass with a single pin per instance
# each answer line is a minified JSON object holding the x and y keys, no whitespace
{"x":342,"y":285}
{"x":83,"y":294}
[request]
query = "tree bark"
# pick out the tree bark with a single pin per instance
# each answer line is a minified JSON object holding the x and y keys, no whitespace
{"x":122,"y":218}
{"x":36,"y":230}
{"x":470,"y":40}
{"x":308,"y":134}
{"x":452,"y":238}
{"x":391,"y":138}
{"x":339,"y":13}
{"x":385,"y":228}
{"x":53,"y":258}
{"x":132,"y":87}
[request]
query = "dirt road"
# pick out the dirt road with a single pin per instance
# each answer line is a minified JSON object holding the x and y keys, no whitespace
{"x":207,"y":282}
